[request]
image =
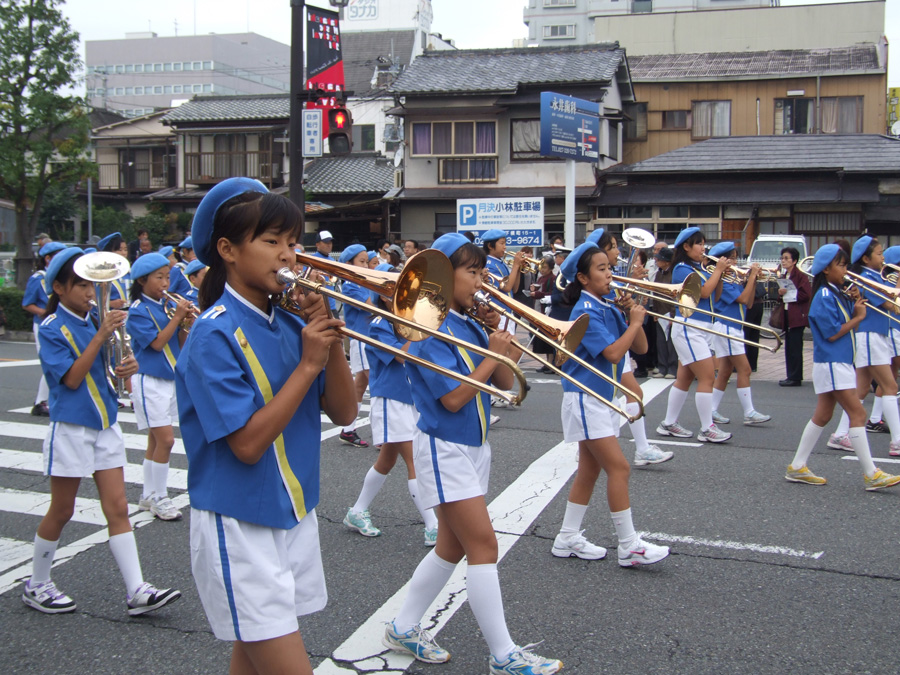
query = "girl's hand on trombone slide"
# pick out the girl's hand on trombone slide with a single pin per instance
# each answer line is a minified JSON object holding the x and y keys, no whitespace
{"x":113,"y":320}
{"x":500,"y":342}
{"x":318,"y":337}
{"x":859,"y":306}
{"x":488,"y":316}
{"x":127,"y":368}
{"x":636,"y":314}
{"x":311,"y":304}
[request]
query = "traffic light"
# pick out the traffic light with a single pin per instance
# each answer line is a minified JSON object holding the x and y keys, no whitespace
{"x":340,"y":131}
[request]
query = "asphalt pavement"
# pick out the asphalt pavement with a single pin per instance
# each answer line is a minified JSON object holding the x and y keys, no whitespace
{"x":765,"y":576}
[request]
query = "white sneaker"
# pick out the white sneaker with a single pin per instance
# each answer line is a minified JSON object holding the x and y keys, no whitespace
{"x":494,"y":419}
{"x":569,"y":544}
{"x":431,"y":536}
{"x":499,"y":402}
{"x":675,"y":430}
{"x":840,"y":442}
{"x":47,"y":598}
{"x":756,"y":418}
{"x":145,"y":502}
{"x":164,"y":509}
{"x":652,"y":455}
{"x":641,"y":553}
{"x":720,"y":419}
{"x":713,"y":435}
{"x":148,"y":598}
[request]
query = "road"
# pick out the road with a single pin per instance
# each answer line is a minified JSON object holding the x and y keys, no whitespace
{"x":765,"y":576}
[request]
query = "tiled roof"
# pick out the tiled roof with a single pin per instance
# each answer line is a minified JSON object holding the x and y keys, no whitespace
{"x":505,"y":70}
{"x":800,"y":152}
{"x":231,"y":108}
{"x":352,"y":174}
{"x":361,"y":51}
{"x":776,"y":63}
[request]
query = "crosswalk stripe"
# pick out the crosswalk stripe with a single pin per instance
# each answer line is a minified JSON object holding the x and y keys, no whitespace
{"x":14,"y":552}
{"x":36,"y":504}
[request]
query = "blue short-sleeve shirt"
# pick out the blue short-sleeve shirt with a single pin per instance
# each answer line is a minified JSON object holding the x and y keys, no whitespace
{"x":680,"y":273}
{"x":605,"y":327}
{"x":469,"y":425}
{"x":387,"y":376}
{"x":874,"y":322}
{"x":35,"y":293}
{"x":332,"y":303}
{"x":356,"y":319}
{"x":235,"y":360}
{"x":828,"y":311}
{"x":146,"y":319}
{"x":727,"y":304}
{"x":64,"y":336}
{"x":178,"y":283}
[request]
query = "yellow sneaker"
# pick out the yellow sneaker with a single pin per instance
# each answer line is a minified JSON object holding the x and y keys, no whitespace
{"x":804,"y":475}
{"x":881,"y":480}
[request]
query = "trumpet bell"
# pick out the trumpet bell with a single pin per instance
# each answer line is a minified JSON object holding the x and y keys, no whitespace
{"x":101,"y":266}
{"x":638,"y":238}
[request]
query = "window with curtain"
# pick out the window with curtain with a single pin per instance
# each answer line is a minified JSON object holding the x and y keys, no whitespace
{"x":842,"y":115}
{"x":711,"y":118}
{"x":525,"y":139}
{"x":454,"y":138}
{"x":676,"y":119}
{"x":636,"y":125}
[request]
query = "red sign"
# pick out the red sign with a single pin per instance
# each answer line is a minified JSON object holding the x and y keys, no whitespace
{"x":324,"y":62}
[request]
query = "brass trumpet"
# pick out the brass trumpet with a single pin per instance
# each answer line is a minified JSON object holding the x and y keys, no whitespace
{"x":532,"y":265}
{"x":170,"y":311}
{"x":739,"y":275}
{"x":890,"y":273}
{"x":418,"y":308}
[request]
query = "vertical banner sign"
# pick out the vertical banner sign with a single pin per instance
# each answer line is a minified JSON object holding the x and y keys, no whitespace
{"x":324,"y":63}
{"x":312,"y":133}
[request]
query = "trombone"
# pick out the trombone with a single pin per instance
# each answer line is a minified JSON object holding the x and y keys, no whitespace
{"x":418,"y":308}
{"x":102,"y":268}
{"x":566,"y":335}
{"x":887,"y":293}
{"x":170,"y":311}
{"x":685,"y":296}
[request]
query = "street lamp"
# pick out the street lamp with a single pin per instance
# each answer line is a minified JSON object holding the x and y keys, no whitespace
{"x":298,"y":97}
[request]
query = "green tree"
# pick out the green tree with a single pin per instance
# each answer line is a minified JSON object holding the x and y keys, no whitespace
{"x":43,"y":133}
{"x":58,"y":208}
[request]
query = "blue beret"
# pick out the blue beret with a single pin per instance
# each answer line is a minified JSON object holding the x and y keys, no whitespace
{"x":594,"y":237}
{"x":385,"y":267}
{"x":685,"y":234}
{"x":56,"y":264}
{"x":187,"y":243}
{"x":892,"y":255}
{"x":351,"y":252}
{"x":860,"y":247}
{"x":372,"y":254}
{"x":50,"y":248}
{"x":110,"y":242}
{"x":493,"y":235}
{"x":823,"y":257}
{"x":569,"y":268}
{"x":449,"y":243}
{"x":166,"y":251}
{"x":205,"y":217}
{"x":722,"y":248}
{"x":147,"y":263}
{"x":90,"y":250}
{"x":193,"y":267}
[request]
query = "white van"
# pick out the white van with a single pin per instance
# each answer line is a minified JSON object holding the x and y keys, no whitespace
{"x":766,"y":249}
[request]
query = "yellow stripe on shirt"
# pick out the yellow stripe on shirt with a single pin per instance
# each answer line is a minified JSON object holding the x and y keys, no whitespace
{"x":170,"y":357}
{"x":91,"y":385}
{"x":482,"y":418}
{"x":291,"y":483}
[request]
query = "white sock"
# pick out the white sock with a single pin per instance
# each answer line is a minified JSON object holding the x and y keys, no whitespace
{"x":573,"y":517}
{"x":808,"y":441}
{"x":717,"y":397}
{"x":486,"y":601}
{"x":675,"y":404}
{"x":160,"y":479}
{"x":43,"y":392}
{"x":148,"y":479}
{"x":430,"y":577}
{"x":371,"y":485}
{"x":877,"y":408}
{"x":844,"y":425}
{"x":427,"y":514}
{"x":124,"y":550}
{"x":703,"y":401}
{"x":638,"y":430}
{"x":891,"y":416}
{"x":746,"y":399}
{"x":861,"y":448}
{"x":43,"y":560}
{"x":624,"y":528}
{"x":350,"y":428}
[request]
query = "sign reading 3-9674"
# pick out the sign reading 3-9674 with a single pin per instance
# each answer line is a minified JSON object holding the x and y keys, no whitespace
{"x":521,"y":217}
{"x":570,"y":127}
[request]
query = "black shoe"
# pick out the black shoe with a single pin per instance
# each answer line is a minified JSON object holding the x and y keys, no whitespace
{"x":877,"y":427}
{"x":788,"y":383}
{"x":640,"y":373}
{"x":353,"y":439}
{"x":41,"y":409}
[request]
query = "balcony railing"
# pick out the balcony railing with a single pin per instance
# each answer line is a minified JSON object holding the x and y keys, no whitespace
{"x":467,"y":170}
{"x":212,"y":167}
{"x":135,"y":176}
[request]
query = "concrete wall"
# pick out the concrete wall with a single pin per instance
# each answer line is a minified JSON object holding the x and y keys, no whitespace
{"x":364,"y":15}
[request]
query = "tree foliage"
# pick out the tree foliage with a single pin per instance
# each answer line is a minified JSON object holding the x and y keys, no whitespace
{"x":44,"y":133}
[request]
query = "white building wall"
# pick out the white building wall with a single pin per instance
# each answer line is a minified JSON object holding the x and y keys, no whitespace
{"x":363,"y":15}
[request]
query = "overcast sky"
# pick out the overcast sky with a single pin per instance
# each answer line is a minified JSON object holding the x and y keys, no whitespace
{"x":470,"y":23}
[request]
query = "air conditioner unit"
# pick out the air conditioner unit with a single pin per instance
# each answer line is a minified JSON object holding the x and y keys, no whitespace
{"x":392,"y":133}
{"x":398,"y":178}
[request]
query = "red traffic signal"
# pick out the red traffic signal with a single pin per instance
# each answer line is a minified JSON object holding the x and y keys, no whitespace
{"x":340,"y":129}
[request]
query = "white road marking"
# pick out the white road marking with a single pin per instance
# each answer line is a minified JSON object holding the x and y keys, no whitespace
{"x":16,"y":364}
{"x":36,"y":504}
{"x":14,"y":552}
{"x":886,"y":460}
{"x":733,"y":545}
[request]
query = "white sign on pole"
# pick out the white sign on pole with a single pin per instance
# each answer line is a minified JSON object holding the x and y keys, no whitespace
{"x":312,"y":133}
{"x":521,"y":217}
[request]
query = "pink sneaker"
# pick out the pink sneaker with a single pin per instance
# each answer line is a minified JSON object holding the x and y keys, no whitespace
{"x":895,"y":450}
{"x":840,"y":442}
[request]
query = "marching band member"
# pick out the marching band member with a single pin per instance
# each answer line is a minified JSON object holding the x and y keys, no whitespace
{"x":84,"y":439}
{"x":324,"y":245}
{"x":694,"y":347}
{"x":156,"y":340}
{"x":588,"y":422}
{"x":195,"y":272}
{"x":251,"y":381}
{"x":452,"y":458}
{"x":833,"y":320}
{"x":118,"y":292}
{"x":374,"y":260}
{"x":357,"y":320}
{"x":179,"y":283}
{"x":730,"y":301}
{"x":393,"y":427}
{"x":644,"y":452}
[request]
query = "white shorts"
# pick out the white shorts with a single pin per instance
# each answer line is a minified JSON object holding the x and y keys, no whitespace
{"x":75,"y":451}
{"x":449,"y":472}
{"x":722,"y":346}
{"x":584,"y":418}
{"x":154,"y":401}
{"x":833,"y":377}
{"x":254,"y":581}
{"x":691,"y":344}
{"x":392,"y":421}
{"x":894,"y":341}
{"x":358,"y":359}
{"x":627,"y":366}
{"x":872,"y":349}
